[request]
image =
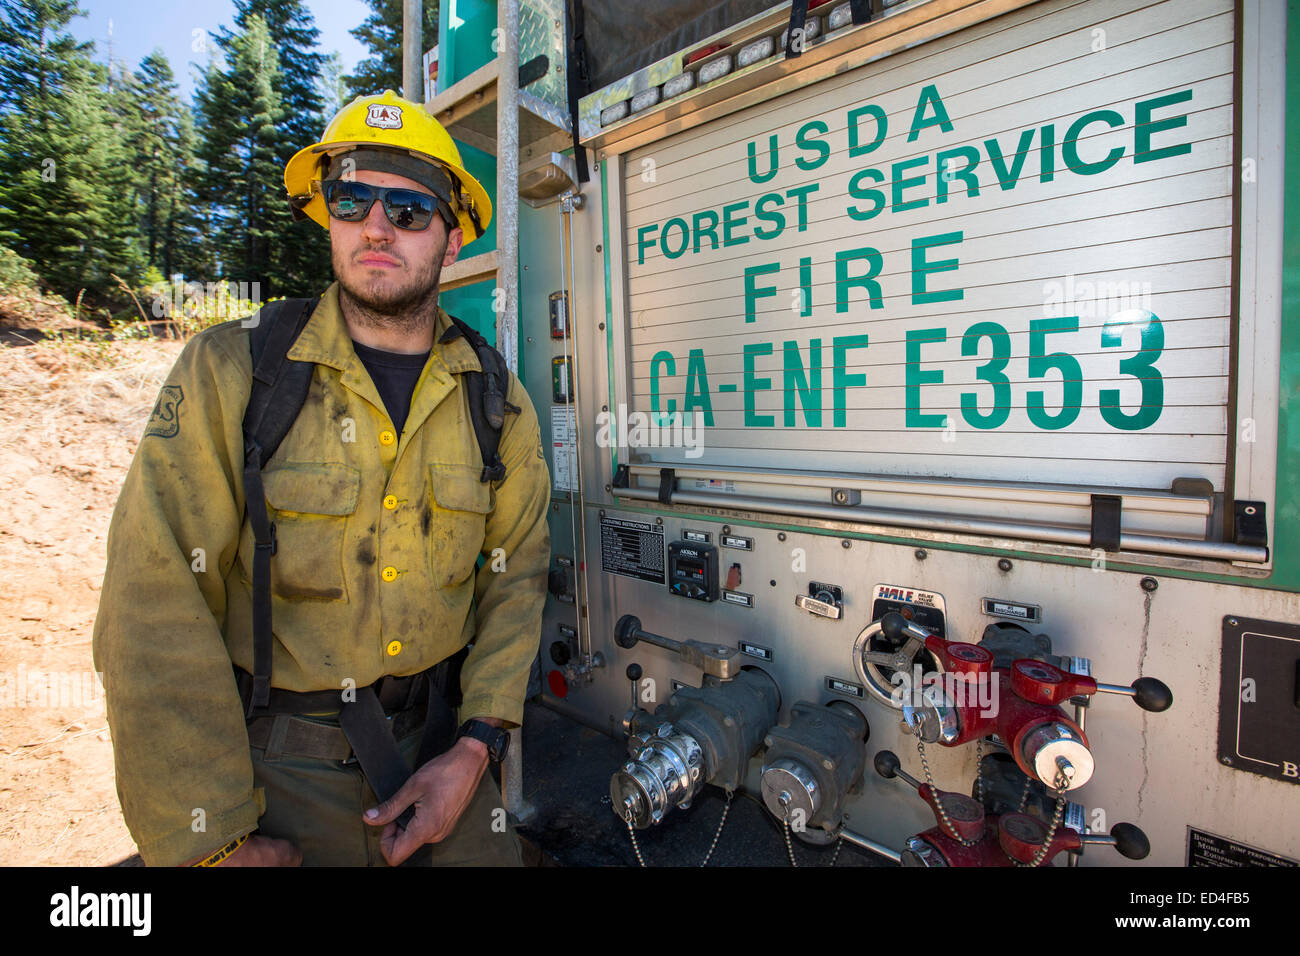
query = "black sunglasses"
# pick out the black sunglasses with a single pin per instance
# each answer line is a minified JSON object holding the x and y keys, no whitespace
{"x":350,"y":201}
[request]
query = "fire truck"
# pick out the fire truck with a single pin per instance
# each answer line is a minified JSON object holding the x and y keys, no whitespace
{"x":917,"y":403}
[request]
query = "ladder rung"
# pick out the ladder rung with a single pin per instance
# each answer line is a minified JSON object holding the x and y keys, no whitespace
{"x":468,"y":271}
{"x":468,"y":111}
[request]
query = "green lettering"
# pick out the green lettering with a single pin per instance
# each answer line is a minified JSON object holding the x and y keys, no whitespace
{"x":753,"y":291}
{"x":899,"y":183}
{"x":921,"y":267}
{"x":753,"y":383}
{"x":1070,"y":145}
{"x":754,"y":175}
{"x":697,"y":387}
{"x":1047,"y":155}
{"x":686,"y":237}
{"x":1144,"y":127}
{"x":666,"y":360}
{"x":728,"y":223}
{"x":810,"y":392}
{"x":882,"y":126}
{"x":844,"y":282}
{"x":775,"y":216}
{"x":1141,"y":366}
{"x":914,"y":378}
{"x":819,"y":146}
{"x":875,"y":195}
{"x":840,"y":377}
{"x":1040,"y":363}
{"x":641,"y":242}
{"x":993,"y":371}
{"x":947,"y":174}
{"x":700,"y":230}
{"x":929,"y":97}
{"x":801,"y":194}
{"x":1007,"y":178}
{"x":805,"y":286}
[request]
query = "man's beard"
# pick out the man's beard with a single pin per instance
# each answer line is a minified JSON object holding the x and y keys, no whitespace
{"x":409,"y":309}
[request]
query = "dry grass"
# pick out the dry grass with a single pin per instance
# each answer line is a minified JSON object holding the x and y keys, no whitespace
{"x":29,"y":309}
{"x":53,"y":382}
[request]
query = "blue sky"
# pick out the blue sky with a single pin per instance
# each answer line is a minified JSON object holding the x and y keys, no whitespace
{"x":137,"y":28}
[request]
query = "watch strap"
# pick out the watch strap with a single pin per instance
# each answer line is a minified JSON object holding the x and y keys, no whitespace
{"x":494,"y":738}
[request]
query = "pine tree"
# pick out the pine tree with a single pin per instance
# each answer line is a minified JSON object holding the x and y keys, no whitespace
{"x":333,"y":84}
{"x":191,"y":250}
{"x":382,"y":33}
{"x":65,"y":183}
{"x":299,"y":251}
{"x":243,"y":175}
{"x":156,"y":147}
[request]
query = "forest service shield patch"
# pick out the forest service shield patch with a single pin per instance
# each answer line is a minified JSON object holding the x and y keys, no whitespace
{"x":165,"y":420}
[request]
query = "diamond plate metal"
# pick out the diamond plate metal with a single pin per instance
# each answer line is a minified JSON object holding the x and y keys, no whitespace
{"x":541,"y":31}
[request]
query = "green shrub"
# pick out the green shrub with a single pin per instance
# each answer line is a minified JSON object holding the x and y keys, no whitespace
{"x":15,"y":272}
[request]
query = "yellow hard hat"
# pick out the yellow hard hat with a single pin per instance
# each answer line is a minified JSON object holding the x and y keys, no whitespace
{"x":386,"y":120}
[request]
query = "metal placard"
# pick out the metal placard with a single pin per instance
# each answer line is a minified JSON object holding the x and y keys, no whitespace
{"x":1259,"y":698}
{"x":1012,"y":610}
{"x":1208,"y":849}
{"x":634,"y":549}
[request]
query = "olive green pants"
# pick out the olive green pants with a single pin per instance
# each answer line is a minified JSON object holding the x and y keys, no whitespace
{"x":317,"y":805}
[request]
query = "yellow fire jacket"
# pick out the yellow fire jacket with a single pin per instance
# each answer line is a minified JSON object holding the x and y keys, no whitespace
{"x":378,"y":538}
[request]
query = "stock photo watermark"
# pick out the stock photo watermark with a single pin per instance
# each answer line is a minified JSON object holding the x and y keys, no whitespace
{"x":23,"y":687}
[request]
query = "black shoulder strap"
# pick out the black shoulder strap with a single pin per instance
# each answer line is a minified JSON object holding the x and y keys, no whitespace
{"x":487,"y":397}
{"x":278,"y":392}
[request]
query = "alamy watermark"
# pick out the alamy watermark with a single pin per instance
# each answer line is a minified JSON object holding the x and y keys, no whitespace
{"x":214,"y":300}
{"x":633,"y":430}
{"x":936,"y":689}
{"x":67,"y":689}
{"x":1094,"y":298}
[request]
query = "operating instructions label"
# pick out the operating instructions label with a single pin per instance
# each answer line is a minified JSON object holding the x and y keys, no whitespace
{"x":632,"y":548}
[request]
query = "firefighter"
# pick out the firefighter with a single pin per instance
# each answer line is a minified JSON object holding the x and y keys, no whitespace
{"x":394,"y":546}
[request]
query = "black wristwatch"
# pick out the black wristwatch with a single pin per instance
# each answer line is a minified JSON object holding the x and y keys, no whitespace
{"x":496,"y":739}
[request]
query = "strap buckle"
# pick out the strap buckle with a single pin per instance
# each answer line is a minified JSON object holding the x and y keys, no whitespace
{"x":272,"y":544}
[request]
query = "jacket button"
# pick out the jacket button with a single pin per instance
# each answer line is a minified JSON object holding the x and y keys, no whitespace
{"x":394,"y":648}
{"x":386,"y":437}
{"x":390,"y":502}
{"x":390,"y":573}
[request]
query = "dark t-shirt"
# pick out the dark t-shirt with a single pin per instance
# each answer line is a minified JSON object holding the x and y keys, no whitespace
{"x":394,"y":375}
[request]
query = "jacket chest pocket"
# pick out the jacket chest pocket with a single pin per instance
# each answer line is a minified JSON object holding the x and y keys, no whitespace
{"x":454,"y":525}
{"x":310,"y":505}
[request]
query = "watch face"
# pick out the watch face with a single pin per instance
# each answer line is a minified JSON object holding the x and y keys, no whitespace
{"x":497,"y":748}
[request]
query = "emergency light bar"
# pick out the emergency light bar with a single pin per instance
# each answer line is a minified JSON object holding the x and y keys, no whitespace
{"x":715,"y":60}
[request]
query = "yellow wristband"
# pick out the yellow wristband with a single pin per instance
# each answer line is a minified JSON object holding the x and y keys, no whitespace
{"x":223,"y":853}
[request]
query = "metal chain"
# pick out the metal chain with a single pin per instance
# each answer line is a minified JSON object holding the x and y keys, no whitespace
{"x":1024,"y":795}
{"x":631,"y":831}
{"x":1060,"y":785}
{"x":979,"y":770}
{"x":718,"y":833}
{"x":937,"y":802}
{"x":838,"y":843}
{"x":785,"y":832}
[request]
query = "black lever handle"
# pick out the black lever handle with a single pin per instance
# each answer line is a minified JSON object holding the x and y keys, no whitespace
{"x":1147,"y":692}
{"x":1130,"y":841}
{"x":1153,"y":695}
{"x":887,"y":763}
{"x":888,"y":766}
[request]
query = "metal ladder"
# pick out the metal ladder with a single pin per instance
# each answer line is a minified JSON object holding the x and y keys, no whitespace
{"x":488,"y":110}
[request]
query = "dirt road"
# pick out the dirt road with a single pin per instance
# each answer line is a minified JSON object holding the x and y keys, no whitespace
{"x":70,"y":419}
